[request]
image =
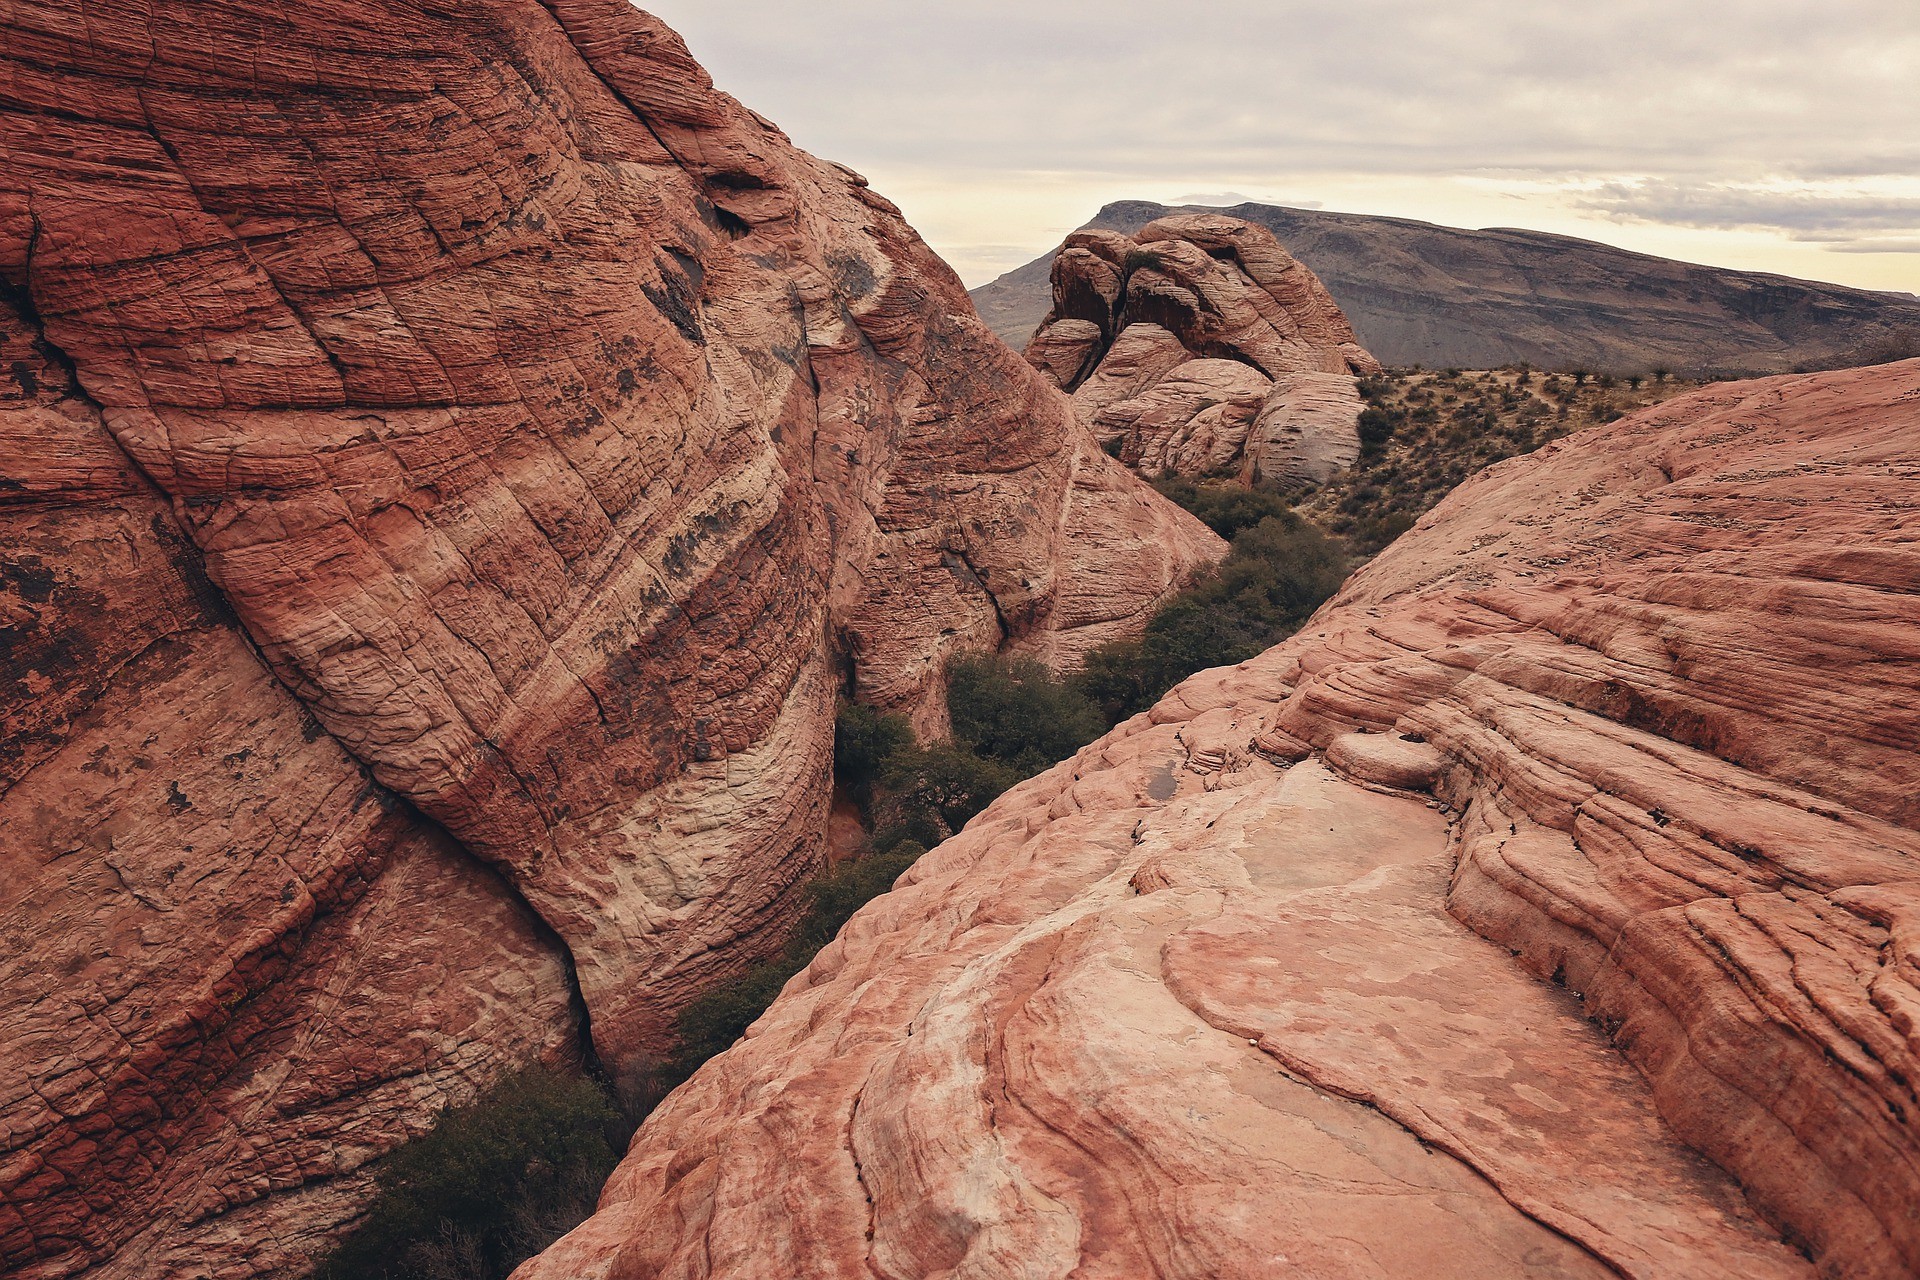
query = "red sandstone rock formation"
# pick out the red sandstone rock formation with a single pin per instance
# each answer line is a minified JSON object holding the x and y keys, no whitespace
{"x":449,"y":461}
{"x":1635,"y":991}
{"x":1201,"y":346}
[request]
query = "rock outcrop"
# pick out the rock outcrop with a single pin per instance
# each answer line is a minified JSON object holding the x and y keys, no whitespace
{"x":1545,"y":908}
{"x":1447,"y":297}
{"x":1201,"y":347}
{"x":450,"y":460}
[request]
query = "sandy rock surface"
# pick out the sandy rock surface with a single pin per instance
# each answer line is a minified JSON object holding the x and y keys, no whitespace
{"x":1200,"y":347}
{"x":450,"y":459}
{"x":1544,"y":908}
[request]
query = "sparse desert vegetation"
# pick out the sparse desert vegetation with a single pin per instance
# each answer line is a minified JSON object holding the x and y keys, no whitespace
{"x":1424,"y":431}
{"x":493,"y":1183}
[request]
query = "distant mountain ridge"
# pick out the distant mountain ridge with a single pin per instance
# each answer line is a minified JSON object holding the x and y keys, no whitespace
{"x":1419,"y":293}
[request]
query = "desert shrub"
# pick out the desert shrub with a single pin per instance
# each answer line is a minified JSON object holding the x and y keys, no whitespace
{"x":492,"y":1184}
{"x":1376,"y":427}
{"x":1128,"y":676}
{"x":1011,"y":718}
{"x":1224,"y":508}
{"x":1016,"y":712}
{"x":911,"y":819}
{"x":946,"y":781}
{"x":1140,"y":259}
{"x":1372,"y":535}
{"x":863,"y":741}
{"x":834,"y":896}
{"x":1118,"y":678}
{"x":720,"y":1016}
{"x":1275,"y":575}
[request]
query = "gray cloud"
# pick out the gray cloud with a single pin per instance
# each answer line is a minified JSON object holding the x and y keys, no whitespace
{"x":1804,"y":214}
{"x":1680,"y":87}
{"x":1684,"y":96}
{"x":1878,"y":246}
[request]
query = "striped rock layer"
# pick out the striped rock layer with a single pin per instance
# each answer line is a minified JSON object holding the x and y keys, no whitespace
{"x":451,"y":458}
{"x":1547,"y":907}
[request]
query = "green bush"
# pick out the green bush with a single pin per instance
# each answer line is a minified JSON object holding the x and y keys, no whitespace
{"x":712,"y":1023}
{"x":1224,"y":508}
{"x":945,"y":780}
{"x":1016,"y":712}
{"x":494,"y":1182}
{"x":1119,"y":677}
{"x":863,"y":741}
{"x":1275,"y":575}
{"x":906,"y":820}
{"x":1376,"y":427}
{"x":837,"y":894}
{"x":1373,"y":535}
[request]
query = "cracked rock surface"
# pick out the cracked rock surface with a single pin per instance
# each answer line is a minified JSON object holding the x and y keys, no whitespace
{"x":1544,"y":908}
{"x":450,"y":459}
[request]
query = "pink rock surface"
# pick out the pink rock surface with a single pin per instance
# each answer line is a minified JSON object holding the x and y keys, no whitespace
{"x":450,"y":460}
{"x":235,"y":968}
{"x":1191,"y":422}
{"x":1140,"y":327}
{"x":1307,"y":430}
{"x":1632,"y":993}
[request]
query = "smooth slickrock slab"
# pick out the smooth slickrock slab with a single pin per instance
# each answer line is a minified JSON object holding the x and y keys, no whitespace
{"x":1636,"y":982}
{"x":1078,"y":1088}
{"x":451,"y":460}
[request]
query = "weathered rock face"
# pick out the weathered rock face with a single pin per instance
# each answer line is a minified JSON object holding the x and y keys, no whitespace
{"x":1632,"y":992}
{"x":1200,"y":346}
{"x":232,"y":963}
{"x":449,"y":462}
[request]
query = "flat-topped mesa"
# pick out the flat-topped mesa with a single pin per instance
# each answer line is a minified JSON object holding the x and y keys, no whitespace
{"x":451,"y":458}
{"x":1546,"y":907}
{"x":1201,"y":347}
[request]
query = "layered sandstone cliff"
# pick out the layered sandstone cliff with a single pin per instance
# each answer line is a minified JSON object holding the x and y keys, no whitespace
{"x":450,"y":460}
{"x":1547,"y":907}
{"x":1199,"y":347}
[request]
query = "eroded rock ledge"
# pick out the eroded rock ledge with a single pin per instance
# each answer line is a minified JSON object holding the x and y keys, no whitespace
{"x":450,"y":458}
{"x":1631,"y":991}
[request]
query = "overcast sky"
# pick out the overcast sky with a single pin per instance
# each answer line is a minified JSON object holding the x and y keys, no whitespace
{"x":1777,"y":135}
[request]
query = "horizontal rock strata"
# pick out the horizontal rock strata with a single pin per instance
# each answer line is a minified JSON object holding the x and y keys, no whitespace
{"x":1543,"y":908}
{"x":450,"y":461}
{"x":1200,"y":347}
